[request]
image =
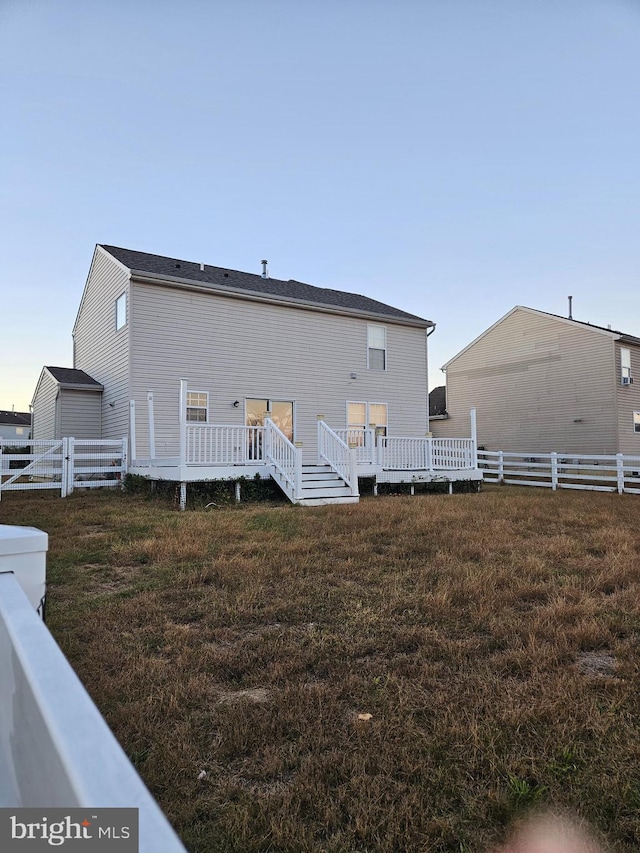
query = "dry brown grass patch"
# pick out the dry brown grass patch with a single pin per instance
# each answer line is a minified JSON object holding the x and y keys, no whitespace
{"x":493,"y":639}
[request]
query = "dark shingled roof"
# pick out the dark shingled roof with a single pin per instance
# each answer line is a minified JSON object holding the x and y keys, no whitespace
{"x":15,"y":418}
{"x":70,"y":376}
{"x":218,"y":277}
{"x":624,"y":337}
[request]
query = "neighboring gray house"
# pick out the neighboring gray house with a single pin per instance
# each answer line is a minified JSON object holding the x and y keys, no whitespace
{"x":438,"y":403}
{"x":15,"y":425}
{"x":249,"y":346}
{"x":543,"y":383}
{"x":67,"y":402}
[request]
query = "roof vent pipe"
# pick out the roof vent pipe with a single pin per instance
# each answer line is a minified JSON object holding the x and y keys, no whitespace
{"x":201,"y":267}
{"x":570,"y":301}
{"x":265,"y":272}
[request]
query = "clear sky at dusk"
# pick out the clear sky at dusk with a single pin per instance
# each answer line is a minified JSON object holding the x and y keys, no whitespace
{"x":453,"y":158}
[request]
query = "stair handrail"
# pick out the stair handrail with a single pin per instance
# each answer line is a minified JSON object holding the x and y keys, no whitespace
{"x":338,"y":456}
{"x":285,"y":457}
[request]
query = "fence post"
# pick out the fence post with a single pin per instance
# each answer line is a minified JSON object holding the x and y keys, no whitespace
{"x":64,"y":467}
{"x":554,"y":471}
{"x":500,"y":466}
{"x":620,"y":472}
{"x":124,"y":461}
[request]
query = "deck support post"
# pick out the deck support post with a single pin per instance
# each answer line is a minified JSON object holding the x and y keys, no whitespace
{"x":152,"y":426}
{"x":133,"y":455}
{"x":183,"y":421}
{"x":183,"y":496}
{"x":474,"y":437}
{"x":375,"y":488}
{"x":237,"y":491}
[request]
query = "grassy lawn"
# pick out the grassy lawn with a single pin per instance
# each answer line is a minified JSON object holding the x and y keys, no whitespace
{"x":406,"y":674}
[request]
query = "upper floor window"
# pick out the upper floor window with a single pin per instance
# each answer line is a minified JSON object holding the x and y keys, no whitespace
{"x":625,"y":366}
{"x":121,"y":311}
{"x":376,"y":347}
{"x":197,"y":406}
{"x":636,"y":421}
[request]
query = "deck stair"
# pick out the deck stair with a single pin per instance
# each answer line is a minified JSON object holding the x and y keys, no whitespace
{"x":320,"y":486}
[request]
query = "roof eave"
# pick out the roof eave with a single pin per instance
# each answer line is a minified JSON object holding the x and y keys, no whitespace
{"x":78,"y":386}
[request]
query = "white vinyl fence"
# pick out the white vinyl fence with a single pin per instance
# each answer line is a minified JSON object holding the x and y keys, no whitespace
{"x":616,"y":473}
{"x":63,"y":464}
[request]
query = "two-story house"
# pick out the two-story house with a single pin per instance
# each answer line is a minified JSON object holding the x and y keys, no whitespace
{"x":541,"y":382}
{"x":179,"y":349}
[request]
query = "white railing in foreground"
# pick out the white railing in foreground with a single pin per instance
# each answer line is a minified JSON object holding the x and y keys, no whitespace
{"x":65,"y":464}
{"x":333,"y":450}
{"x":426,"y":454}
{"x":284,"y":456}
{"x":216,"y":444}
{"x":362,"y":441}
{"x":55,"y":748}
{"x":609,"y":473}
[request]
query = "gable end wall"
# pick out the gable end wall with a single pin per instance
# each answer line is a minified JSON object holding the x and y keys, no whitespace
{"x":99,"y":349}
{"x":538,"y":384}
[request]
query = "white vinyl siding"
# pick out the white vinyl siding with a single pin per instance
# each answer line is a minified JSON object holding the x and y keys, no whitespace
{"x":101,"y":350}
{"x":539,"y":384}
{"x":628,"y":400}
{"x":237,"y":349}
{"x":43,"y":418}
{"x":79,"y":413}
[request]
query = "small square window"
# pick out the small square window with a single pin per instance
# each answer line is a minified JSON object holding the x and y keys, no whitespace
{"x":197,"y":406}
{"x":121,"y":311}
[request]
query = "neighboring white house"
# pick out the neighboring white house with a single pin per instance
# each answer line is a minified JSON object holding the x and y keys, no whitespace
{"x":543,"y":383}
{"x":15,"y":425}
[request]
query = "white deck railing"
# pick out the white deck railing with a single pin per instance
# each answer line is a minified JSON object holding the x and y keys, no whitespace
{"x":216,"y":444}
{"x":362,"y":441}
{"x":284,"y":456}
{"x":426,"y":454}
{"x":336,"y":453}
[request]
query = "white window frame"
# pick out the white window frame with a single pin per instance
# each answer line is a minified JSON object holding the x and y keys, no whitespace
{"x":121,"y":311}
{"x":194,"y":405}
{"x":625,"y":366}
{"x":377,"y":327}
{"x":367,"y":411}
{"x":636,"y":421}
